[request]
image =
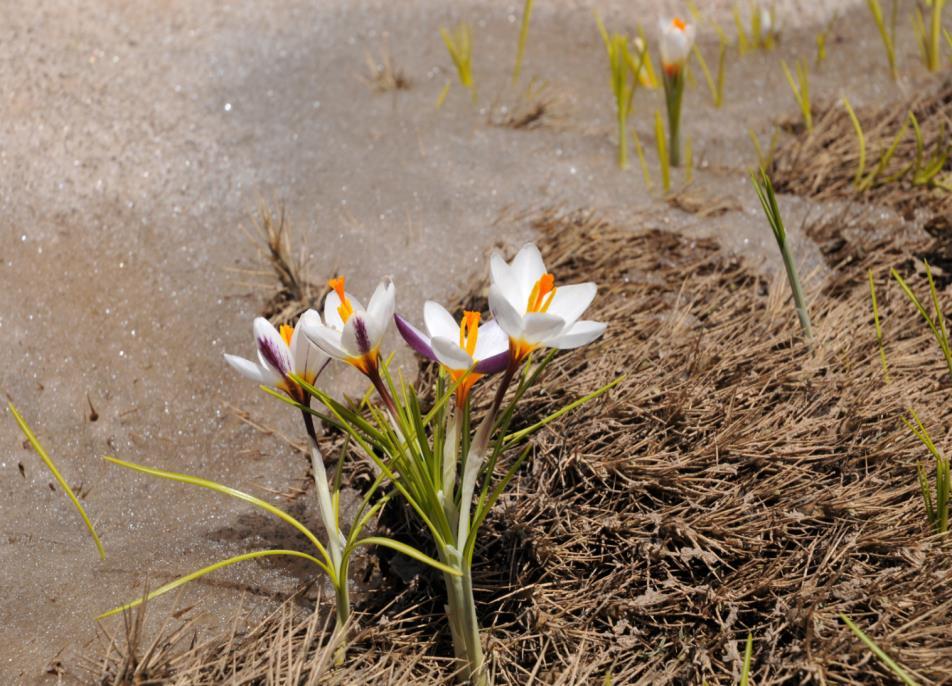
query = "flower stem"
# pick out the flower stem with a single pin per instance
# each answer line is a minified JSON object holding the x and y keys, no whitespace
{"x":673,"y":91}
{"x":464,"y":625}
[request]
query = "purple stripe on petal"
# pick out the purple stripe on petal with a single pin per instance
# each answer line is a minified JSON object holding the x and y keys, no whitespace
{"x":273,"y":356}
{"x":414,"y":338}
{"x":493,"y":364}
{"x":360,"y":333}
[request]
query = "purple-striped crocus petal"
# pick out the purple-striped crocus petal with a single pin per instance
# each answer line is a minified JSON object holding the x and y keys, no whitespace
{"x":494,"y":364}
{"x":414,"y":338}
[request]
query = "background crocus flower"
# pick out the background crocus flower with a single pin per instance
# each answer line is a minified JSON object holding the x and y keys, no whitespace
{"x":534,"y":312}
{"x":466,"y":349}
{"x":282,"y":353}
{"x":349,"y":332}
{"x":677,"y":39}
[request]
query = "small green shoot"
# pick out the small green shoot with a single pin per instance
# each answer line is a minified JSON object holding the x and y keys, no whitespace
{"x":523,"y":37}
{"x":628,"y":70}
{"x":34,"y":441}
{"x":938,"y":514}
{"x":888,"y":36}
{"x":663,"y":160}
{"x":459,"y":43}
{"x":930,"y":39}
{"x":748,"y":655}
{"x":801,"y":91}
{"x":861,"y":139}
{"x":935,"y":322}
{"x":688,"y":161}
{"x":640,"y":150}
{"x":743,"y":41}
{"x":900,"y":673}
{"x":879,"y":329}
{"x":768,"y":200}
{"x":764,"y":160}
{"x":715,"y":86}
{"x":821,"y":45}
{"x":886,"y":157}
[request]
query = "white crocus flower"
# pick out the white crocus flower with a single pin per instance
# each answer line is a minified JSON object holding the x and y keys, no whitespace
{"x":282,"y":353}
{"x":677,"y":39}
{"x":467,"y":350}
{"x":534,"y":312}
{"x":349,"y":332}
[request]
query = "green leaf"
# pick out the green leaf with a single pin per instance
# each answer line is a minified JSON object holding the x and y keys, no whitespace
{"x":529,"y":430}
{"x":31,"y":437}
{"x":879,"y":653}
{"x":234,"y":493}
{"x":748,"y":654}
{"x":207,"y":570}
{"x":409,"y":551}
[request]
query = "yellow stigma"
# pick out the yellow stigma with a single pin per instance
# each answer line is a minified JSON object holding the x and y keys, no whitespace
{"x":344,"y":309}
{"x":542,"y":293}
{"x":679,"y":24}
{"x":286,"y":333}
{"x":469,"y":331}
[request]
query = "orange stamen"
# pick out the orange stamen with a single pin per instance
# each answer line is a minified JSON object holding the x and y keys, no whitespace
{"x":542,"y":293}
{"x":344,"y":309}
{"x":286,"y":333}
{"x":469,"y":331}
{"x":679,"y":24}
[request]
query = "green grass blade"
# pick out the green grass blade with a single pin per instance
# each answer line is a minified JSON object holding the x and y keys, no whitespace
{"x":663,"y":160}
{"x":861,"y":139}
{"x":748,"y":655}
{"x":642,"y":160}
{"x":31,"y":437}
{"x":523,"y":38}
{"x":900,"y":673}
{"x":409,"y":551}
{"x":172,"y":585}
{"x":879,"y":330}
{"x":522,"y":434}
{"x":234,"y":493}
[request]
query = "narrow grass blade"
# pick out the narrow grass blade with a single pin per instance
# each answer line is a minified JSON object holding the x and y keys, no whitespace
{"x":31,"y":437}
{"x":748,"y":655}
{"x":663,"y":160}
{"x":879,"y":330}
{"x":234,"y":493}
{"x":522,"y":434}
{"x":877,"y":11}
{"x":523,"y":38}
{"x":172,"y":585}
{"x":640,"y":151}
{"x":900,"y":673}
{"x":861,"y":141}
{"x":409,"y":551}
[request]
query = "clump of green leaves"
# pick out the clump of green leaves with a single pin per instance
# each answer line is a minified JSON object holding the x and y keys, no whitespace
{"x":935,"y":320}
{"x":887,"y":33}
{"x":937,"y":511}
{"x":768,"y":200}
{"x":801,"y":90}
{"x":459,"y":43}
{"x":48,"y":461}
{"x":630,"y":67}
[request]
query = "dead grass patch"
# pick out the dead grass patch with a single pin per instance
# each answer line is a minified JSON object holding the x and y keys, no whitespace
{"x":735,"y":482}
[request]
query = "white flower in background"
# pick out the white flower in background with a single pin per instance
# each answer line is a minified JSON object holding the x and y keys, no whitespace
{"x":282,"y":353}
{"x":769,"y":22}
{"x":467,"y":350}
{"x":642,"y":63}
{"x":535,"y":313}
{"x":677,"y":38}
{"x":349,"y":332}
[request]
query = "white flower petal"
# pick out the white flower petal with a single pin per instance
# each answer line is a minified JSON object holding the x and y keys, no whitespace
{"x":450,"y":354}
{"x":570,"y":302}
{"x":579,"y":334}
{"x":250,"y":370}
{"x":273,"y":351}
{"x":492,"y":341}
{"x":540,"y":326}
{"x":527,"y":268}
{"x":306,"y":358}
{"x":380,"y":312}
{"x":439,"y":322}
{"x":327,"y":339}
{"x":356,"y":337}
{"x":332,"y":316}
{"x":502,"y":276}
{"x":506,"y":316}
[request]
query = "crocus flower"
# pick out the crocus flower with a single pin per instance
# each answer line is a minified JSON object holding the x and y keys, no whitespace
{"x":677,"y":38}
{"x":535,"y":313}
{"x":642,"y":61}
{"x":282,"y":353}
{"x":349,"y":332}
{"x":467,"y":350}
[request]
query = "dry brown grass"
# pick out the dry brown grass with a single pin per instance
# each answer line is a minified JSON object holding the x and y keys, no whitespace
{"x":823,"y":164}
{"x":383,"y":75}
{"x":736,"y":481}
{"x":537,"y":105}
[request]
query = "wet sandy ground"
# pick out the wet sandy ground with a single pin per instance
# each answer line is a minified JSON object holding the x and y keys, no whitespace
{"x":136,"y":139}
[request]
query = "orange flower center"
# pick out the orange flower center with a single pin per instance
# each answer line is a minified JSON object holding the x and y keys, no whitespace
{"x":286,"y":332}
{"x":344,"y":309}
{"x":678,"y":23}
{"x":469,"y":331}
{"x":542,"y":293}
